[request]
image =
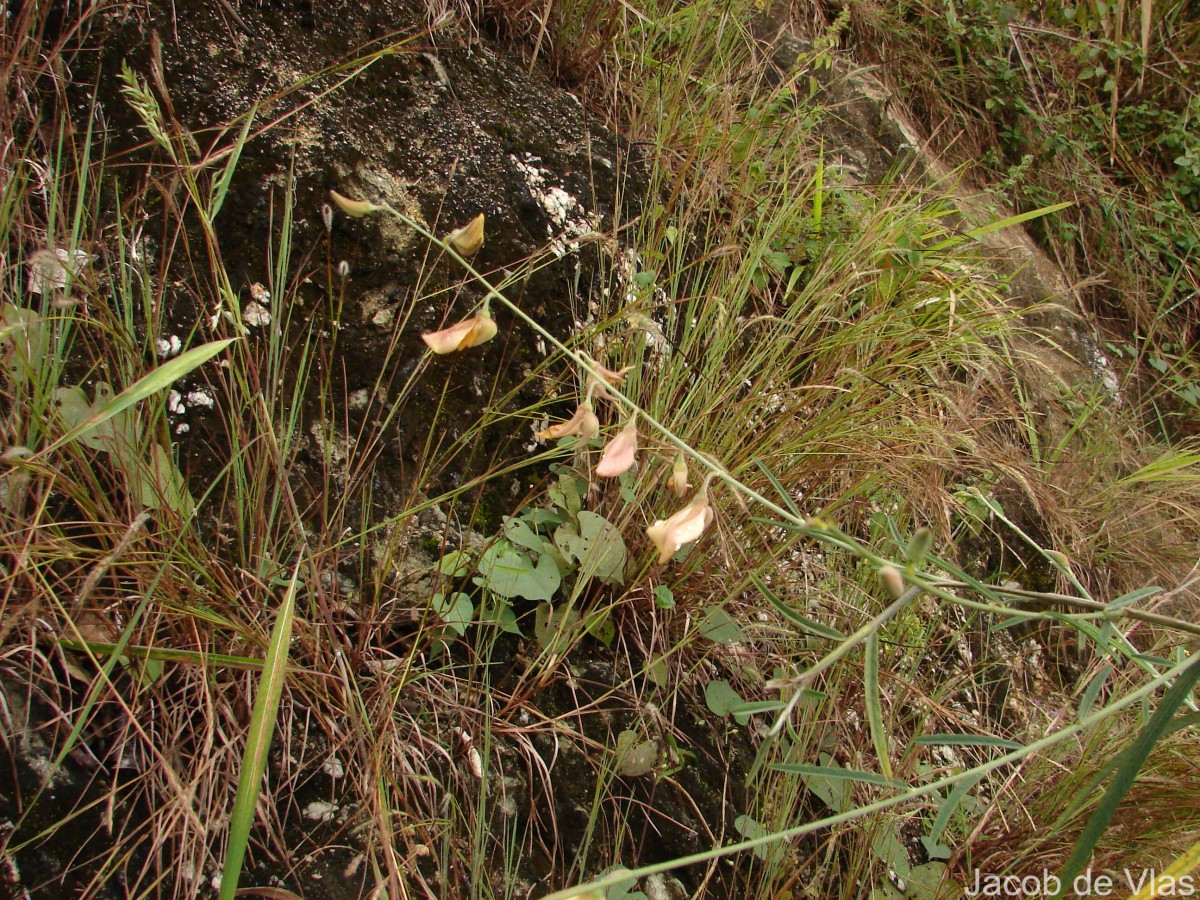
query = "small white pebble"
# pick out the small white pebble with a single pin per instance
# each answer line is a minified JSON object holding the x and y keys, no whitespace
{"x":167,"y":347}
{"x":200,"y":398}
{"x":319,"y":811}
{"x":256,"y":315}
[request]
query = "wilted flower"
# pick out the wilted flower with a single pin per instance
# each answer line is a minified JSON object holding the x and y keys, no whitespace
{"x":619,"y":453}
{"x":355,"y":208}
{"x":678,"y":482}
{"x":597,"y":385}
{"x":684,"y":527}
{"x":468,"y":239}
{"x":584,"y":423}
{"x":470,"y":332}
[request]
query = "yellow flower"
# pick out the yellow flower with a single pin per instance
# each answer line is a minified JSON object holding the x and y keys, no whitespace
{"x":356,"y":208}
{"x":619,"y":453}
{"x":468,"y":239}
{"x":684,"y":527}
{"x":468,"y":333}
{"x":678,"y":482}
{"x":584,"y":423}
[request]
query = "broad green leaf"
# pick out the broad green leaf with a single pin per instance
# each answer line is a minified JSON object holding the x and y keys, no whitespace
{"x":510,"y":573}
{"x":599,"y":624}
{"x":151,"y":474}
{"x":658,"y":671}
{"x":555,"y":628}
{"x":663,"y":598}
{"x":596,"y":545}
{"x":119,"y":435}
{"x":496,"y":610}
{"x":519,"y":533}
{"x":537,"y":518}
{"x":834,"y":790}
{"x":774,"y":853}
{"x":166,"y":484}
{"x":718,"y":627}
{"x":634,"y":757}
{"x":623,"y":890}
{"x":929,"y":882}
{"x":21,"y":342}
{"x":888,"y":846}
{"x":722,"y":699}
{"x":933,"y":840}
{"x":456,"y":611}
{"x":454,"y":564}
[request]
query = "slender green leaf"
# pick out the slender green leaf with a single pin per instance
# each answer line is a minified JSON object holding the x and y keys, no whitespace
{"x":987,"y":229}
{"x":221,"y":186}
{"x":258,"y":740}
{"x":933,"y":840}
{"x":1133,"y":597}
{"x":802,"y":622}
{"x":149,"y":384}
{"x":1135,"y":758}
{"x":1092,"y":691}
{"x":967,"y":740}
{"x":874,"y":707}
{"x":839,"y":773}
{"x":757,"y":706}
{"x":779,"y":488}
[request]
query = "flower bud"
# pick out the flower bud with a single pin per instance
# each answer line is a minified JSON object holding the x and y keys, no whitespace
{"x":678,"y":482}
{"x":468,"y":239}
{"x":355,"y":208}
{"x":892,"y":580}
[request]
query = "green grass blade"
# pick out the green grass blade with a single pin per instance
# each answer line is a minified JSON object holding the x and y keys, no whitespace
{"x":258,"y":741}
{"x":151,"y":383}
{"x":779,"y":488}
{"x":838,"y":773}
{"x":165,"y":654}
{"x":976,"y":233}
{"x":967,"y":740}
{"x":221,"y":188}
{"x":1183,"y":865}
{"x":1137,"y":755}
